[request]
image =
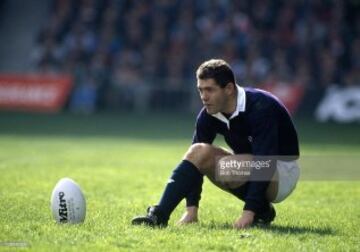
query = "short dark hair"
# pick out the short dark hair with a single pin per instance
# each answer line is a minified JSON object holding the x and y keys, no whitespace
{"x":216,"y":69}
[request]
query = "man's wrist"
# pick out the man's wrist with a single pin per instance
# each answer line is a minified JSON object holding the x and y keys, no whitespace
{"x":248,"y":213}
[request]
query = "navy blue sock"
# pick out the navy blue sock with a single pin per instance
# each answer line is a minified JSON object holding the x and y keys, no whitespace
{"x":180,"y":184}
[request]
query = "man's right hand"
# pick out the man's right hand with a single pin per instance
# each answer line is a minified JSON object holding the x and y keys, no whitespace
{"x":190,"y":216}
{"x":245,"y":221}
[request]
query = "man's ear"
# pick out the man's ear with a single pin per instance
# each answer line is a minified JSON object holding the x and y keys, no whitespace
{"x":230,"y":88}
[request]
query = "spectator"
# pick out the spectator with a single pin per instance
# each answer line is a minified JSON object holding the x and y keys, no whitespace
{"x":148,"y":44}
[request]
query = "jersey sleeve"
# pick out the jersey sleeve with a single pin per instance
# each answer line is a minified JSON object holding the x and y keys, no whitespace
{"x":264,"y":143}
{"x":204,"y":132}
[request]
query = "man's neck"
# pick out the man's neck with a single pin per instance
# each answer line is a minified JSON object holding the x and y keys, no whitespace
{"x":227,"y":115}
{"x":231,"y":105}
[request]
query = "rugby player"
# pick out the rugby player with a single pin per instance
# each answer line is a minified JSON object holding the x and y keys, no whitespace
{"x":254,"y":124}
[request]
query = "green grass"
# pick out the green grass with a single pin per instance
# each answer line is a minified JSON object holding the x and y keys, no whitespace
{"x":122,"y":163}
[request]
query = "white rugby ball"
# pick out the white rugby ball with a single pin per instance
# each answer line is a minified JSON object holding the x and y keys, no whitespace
{"x":68,"y":202}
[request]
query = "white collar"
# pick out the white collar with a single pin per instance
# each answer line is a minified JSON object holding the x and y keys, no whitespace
{"x":240,"y":106}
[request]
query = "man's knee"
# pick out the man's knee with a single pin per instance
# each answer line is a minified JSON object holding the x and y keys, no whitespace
{"x":199,"y":154}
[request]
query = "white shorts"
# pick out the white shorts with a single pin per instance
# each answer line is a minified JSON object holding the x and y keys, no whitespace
{"x":289,"y":173}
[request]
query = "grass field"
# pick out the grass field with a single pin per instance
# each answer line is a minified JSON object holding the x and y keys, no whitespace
{"x":122,"y":163}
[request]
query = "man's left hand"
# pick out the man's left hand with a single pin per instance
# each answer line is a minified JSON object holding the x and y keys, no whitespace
{"x":190,"y":216}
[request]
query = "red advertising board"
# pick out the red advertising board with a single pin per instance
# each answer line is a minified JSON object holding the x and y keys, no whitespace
{"x":34,"y":92}
{"x":290,"y":94}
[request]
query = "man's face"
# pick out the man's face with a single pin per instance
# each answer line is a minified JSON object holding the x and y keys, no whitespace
{"x":213,"y":97}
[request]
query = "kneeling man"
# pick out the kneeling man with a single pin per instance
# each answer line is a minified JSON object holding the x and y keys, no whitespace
{"x":258,"y":129}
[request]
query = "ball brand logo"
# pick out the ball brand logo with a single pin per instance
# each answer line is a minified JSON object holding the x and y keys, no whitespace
{"x":63,"y":209}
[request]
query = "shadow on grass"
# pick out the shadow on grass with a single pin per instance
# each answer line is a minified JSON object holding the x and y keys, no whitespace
{"x":299,"y":230}
{"x":279,"y":229}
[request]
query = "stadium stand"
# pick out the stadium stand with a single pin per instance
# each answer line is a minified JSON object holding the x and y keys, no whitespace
{"x":119,"y":50}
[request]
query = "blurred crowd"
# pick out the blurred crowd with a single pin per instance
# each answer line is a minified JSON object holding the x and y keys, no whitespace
{"x":118,"y":49}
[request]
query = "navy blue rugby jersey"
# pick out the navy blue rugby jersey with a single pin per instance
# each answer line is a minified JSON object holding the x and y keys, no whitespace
{"x":260,"y":125}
